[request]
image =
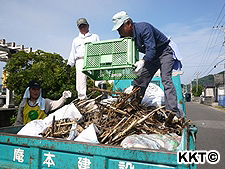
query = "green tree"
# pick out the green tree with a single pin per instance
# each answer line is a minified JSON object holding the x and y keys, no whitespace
{"x":194,"y":91}
{"x":47,"y":68}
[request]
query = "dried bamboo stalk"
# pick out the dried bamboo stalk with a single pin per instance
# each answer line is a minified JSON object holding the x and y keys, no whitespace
{"x":105,"y":91}
{"x":121,"y":134}
{"x":151,"y":113}
{"x":114,"y":130}
{"x":131,"y":94}
{"x":88,"y":101}
{"x":118,"y":110}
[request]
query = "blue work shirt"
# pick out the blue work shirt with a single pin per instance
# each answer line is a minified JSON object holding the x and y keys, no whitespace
{"x":149,"y":40}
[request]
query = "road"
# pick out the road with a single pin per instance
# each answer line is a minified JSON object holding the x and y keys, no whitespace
{"x":211,"y":130}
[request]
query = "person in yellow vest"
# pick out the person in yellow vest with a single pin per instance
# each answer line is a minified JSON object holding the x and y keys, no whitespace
{"x":33,"y":106}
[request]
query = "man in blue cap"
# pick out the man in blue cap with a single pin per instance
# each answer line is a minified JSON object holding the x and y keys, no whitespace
{"x":158,"y":55}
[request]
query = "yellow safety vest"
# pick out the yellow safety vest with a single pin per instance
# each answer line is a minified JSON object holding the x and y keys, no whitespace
{"x":32,"y":113}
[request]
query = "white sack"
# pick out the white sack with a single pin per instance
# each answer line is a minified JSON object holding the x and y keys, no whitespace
{"x":35,"y":127}
{"x":154,"y":95}
{"x":67,"y":111}
{"x":88,"y":135}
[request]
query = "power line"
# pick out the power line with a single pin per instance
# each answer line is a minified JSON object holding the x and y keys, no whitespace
{"x":205,"y":50}
{"x":207,"y":53}
{"x":214,"y":67}
{"x":215,"y":58}
{"x":220,"y":13}
{"x":212,"y":64}
{"x":221,"y":19}
{"x":207,"y":59}
{"x":197,"y":66}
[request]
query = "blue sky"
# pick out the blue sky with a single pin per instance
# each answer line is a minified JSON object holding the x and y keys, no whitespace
{"x":50,"y":25}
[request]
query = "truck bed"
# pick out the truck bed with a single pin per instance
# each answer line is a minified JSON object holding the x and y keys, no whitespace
{"x":26,"y":152}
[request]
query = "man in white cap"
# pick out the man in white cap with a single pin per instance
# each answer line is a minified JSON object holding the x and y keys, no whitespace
{"x":158,"y":55}
{"x":77,"y":55}
{"x":33,"y":106}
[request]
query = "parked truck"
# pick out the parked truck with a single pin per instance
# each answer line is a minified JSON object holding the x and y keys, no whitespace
{"x":18,"y":151}
{"x":28,"y":152}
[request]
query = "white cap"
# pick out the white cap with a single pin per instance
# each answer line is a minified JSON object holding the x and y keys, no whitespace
{"x":118,"y":19}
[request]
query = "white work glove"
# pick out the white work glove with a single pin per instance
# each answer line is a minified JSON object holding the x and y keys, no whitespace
{"x":66,"y":94}
{"x":175,"y":119}
{"x":139,"y":66}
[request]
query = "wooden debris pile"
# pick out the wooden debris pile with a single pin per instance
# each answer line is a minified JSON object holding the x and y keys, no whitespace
{"x":123,"y":117}
{"x":59,"y":129}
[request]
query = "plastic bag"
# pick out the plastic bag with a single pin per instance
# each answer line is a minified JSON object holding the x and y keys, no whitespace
{"x":88,"y":135}
{"x":33,"y":128}
{"x":154,"y":95}
{"x":67,"y":111}
{"x":138,"y":141}
{"x":153,"y":141}
{"x":73,"y":132}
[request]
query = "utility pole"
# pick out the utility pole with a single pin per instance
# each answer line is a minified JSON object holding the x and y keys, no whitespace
{"x":223,"y":29}
{"x":191,"y":85}
{"x":197,"y":81}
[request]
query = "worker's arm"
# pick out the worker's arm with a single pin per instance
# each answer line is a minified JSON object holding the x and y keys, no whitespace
{"x":54,"y":104}
{"x":72,"y":57}
{"x":19,"y":119}
{"x":149,"y":43}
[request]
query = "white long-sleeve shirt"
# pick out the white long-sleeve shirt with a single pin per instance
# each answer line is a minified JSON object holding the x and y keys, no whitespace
{"x":78,"y":46}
